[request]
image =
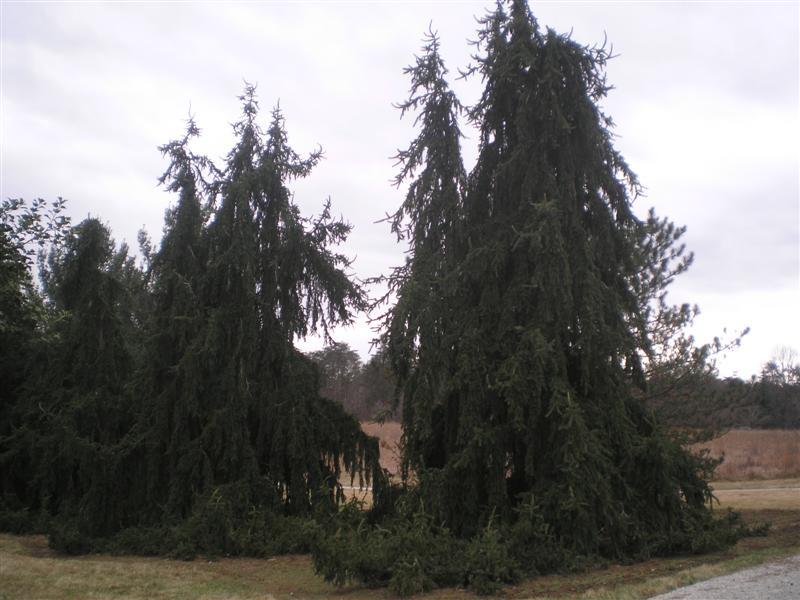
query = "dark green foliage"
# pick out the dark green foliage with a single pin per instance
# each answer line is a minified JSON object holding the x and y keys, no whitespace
{"x":216,"y":528}
{"x":718,"y":404}
{"x":532,"y":539}
{"x":539,"y":278}
{"x":529,"y":314}
{"x":489,"y":563}
{"x":225,"y":524}
{"x":233,"y":406}
{"x":65,"y":536}
{"x":145,"y":541}
{"x":232,"y":296}
{"x":168,"y":412}
{"x":407,"y":552}
{"x":25,"y":230}
{"x":270,"y":276}
{"x":71,"y":407}
{"x":21,"y":520}
{"x":429,"y":217}
{"x":170,"y":378}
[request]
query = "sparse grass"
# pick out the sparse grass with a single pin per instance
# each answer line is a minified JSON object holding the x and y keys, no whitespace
{"x":759,"y":494}
{"x":758,"y":484}
{"x":29,"y":569}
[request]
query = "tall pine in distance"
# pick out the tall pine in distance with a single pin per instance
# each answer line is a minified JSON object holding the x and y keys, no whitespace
{"x":520,"y":358}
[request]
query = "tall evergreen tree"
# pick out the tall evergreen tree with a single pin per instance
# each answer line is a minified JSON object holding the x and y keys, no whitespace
{"x":534,"y":406}
{"x":234,"y":407}
{"x":418,"y":325}
{"x":177,"y":401}
{"x":25,"y":229}
{"x":291,"y":284}
{"x":171,"y":465}
{"x":78,"y":409}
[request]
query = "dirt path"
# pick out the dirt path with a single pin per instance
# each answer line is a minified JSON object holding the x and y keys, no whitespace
{"x":777,"y":580}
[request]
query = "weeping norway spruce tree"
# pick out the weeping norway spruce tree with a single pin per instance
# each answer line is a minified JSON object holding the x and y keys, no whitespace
{"x":519,"y":332}
{"x":169,"y":411}
{"x":235,"y":420}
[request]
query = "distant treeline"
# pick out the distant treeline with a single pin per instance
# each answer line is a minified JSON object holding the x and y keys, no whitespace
{"x":761,"y":403}
{"x":770,"y":401}
{"x":365,"y":390}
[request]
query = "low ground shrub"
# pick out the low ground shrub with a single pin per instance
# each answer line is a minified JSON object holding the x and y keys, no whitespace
{"x":66,"y":537}
{"x":411,"y":554}
{"x":221,"y":524}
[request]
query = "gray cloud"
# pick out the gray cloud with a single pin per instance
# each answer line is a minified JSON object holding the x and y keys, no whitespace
{"x":706,"y":103}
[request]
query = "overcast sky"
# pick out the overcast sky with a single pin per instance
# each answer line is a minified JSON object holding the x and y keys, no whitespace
{"x":706,"y":106}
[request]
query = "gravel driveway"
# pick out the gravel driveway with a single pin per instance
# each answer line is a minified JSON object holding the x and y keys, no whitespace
{"x":779,"y":580}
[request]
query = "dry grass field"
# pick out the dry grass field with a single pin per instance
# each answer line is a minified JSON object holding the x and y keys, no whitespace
{"x":757,"y":454}
{"x":749,"y":453}
{"x":389,"y":434}
{"x":769,"y":494}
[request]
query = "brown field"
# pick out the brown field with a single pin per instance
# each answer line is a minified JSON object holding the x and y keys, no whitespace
{"x":756,"y":454}
{"x":749,"y":453}
{"x":770,"y":494}
{"x":389,"y":434}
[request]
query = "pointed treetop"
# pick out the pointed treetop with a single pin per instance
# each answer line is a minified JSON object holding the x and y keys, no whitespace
{"x":279,"y":154}
{"x":249,"y":100}
{"x":185,"y":167}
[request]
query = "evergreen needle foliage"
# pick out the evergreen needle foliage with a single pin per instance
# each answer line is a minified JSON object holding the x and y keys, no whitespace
{"x":169,"y":411}
{"x":522,"y":331}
